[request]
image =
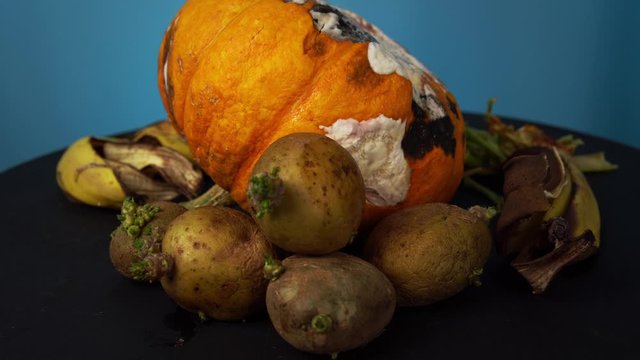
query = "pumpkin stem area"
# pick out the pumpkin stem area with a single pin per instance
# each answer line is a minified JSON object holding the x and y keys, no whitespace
{"x":265,"y":192}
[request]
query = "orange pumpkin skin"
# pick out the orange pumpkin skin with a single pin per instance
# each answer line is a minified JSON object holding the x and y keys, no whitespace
{"x":236,"y":75}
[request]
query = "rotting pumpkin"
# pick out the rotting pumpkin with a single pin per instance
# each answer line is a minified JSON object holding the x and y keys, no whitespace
{"x":236,"y":75}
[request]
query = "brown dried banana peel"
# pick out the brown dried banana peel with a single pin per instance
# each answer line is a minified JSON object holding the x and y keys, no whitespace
{"x":550,"y":218}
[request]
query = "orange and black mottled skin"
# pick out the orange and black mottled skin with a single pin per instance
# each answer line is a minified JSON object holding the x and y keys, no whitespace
{"x":241,"y":74}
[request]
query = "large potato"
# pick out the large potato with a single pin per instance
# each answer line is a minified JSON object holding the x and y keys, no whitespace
{"x":308,"y":194}
{"x":330,"y":303}
{"x":429,"y":252}
{"x":218,"y":256}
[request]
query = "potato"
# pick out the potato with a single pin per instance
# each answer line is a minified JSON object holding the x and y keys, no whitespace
{"x":429,"y":252}
{"x":218,"y":255}
{"x":330,"y":303}
{"x":307,"y":193}
{"x":136,"y":237}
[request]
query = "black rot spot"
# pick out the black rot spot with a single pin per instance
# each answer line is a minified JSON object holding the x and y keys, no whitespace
{"x":348,"y":28}
{"x":424,"y":135}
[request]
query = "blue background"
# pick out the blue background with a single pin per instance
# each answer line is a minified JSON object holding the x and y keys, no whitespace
{"x":71,"y":68}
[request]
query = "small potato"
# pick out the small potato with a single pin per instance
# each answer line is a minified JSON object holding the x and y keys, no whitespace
{"x":330,"y":303}
{"x":429,"y":252}
{"x":218,"y":256}
{"x":129,"y":246}
{"x":307,"y":193}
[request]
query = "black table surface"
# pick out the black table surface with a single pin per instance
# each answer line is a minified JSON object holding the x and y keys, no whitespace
{"x":61,"y":298}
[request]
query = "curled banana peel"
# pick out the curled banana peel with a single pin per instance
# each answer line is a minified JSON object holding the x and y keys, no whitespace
{"x":152,"y":166}
{"x":85,"y":177}
{"x":550,"y":217}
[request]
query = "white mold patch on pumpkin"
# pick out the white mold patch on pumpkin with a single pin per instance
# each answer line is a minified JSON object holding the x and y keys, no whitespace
{"x":302,"y":2}
{"x":387,"y":57}
{"x":327,"y":22}
{"x":430,"y":102}
{"x":375,"y":144}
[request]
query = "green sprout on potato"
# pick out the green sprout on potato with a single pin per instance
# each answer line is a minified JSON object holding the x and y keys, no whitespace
{"x":134,"y":217}
{"x":272,"y":268}
{"x":152,"y":267}
{"x":138,"y":238}
{"x":265,"y":191}
{"x":135,"y":220}
{"x":474,"y":277}
{"x":139,"y":270}
{"x":321,"y":323}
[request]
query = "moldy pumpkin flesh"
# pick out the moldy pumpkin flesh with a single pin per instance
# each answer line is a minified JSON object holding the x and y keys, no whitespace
{"x":236,"y":75}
